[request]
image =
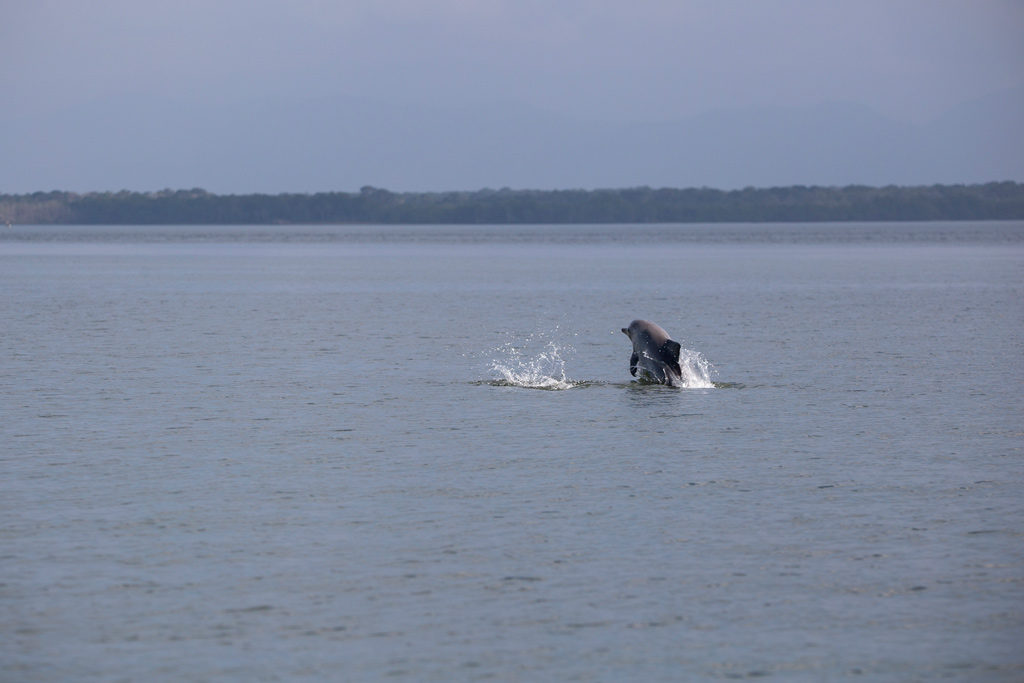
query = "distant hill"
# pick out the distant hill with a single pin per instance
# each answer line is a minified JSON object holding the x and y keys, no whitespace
{"x":1002,"y":200}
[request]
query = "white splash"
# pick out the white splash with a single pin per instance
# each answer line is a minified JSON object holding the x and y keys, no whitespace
{"x":696,"y":370}
{"x":543,"y":370}
{"x":538,"y":362}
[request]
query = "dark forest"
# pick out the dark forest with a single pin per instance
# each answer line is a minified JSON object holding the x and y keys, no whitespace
{"x":990,"y":201}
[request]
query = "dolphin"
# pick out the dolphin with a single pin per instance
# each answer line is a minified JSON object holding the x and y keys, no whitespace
{"x":654,"y":354}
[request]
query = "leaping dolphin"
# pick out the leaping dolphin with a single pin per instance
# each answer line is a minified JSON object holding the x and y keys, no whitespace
{"x":654,"y":353}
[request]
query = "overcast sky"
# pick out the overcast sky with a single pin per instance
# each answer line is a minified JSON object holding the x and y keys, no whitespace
{"x":604,"y":60}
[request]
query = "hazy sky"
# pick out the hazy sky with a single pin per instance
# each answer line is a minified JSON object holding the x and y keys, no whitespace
{"x":643,"y":58}
{"x":597,"y":59}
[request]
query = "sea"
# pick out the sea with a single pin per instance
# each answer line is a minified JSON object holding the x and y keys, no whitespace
{"x":416,"y":453}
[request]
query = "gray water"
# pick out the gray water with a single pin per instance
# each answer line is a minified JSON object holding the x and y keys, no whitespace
{"x":416,"y":453}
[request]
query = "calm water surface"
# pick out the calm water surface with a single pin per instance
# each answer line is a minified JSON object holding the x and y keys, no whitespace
{"x":416,"y":453}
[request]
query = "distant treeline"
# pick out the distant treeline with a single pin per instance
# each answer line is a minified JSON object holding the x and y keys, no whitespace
{"x":1002,"y":200}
